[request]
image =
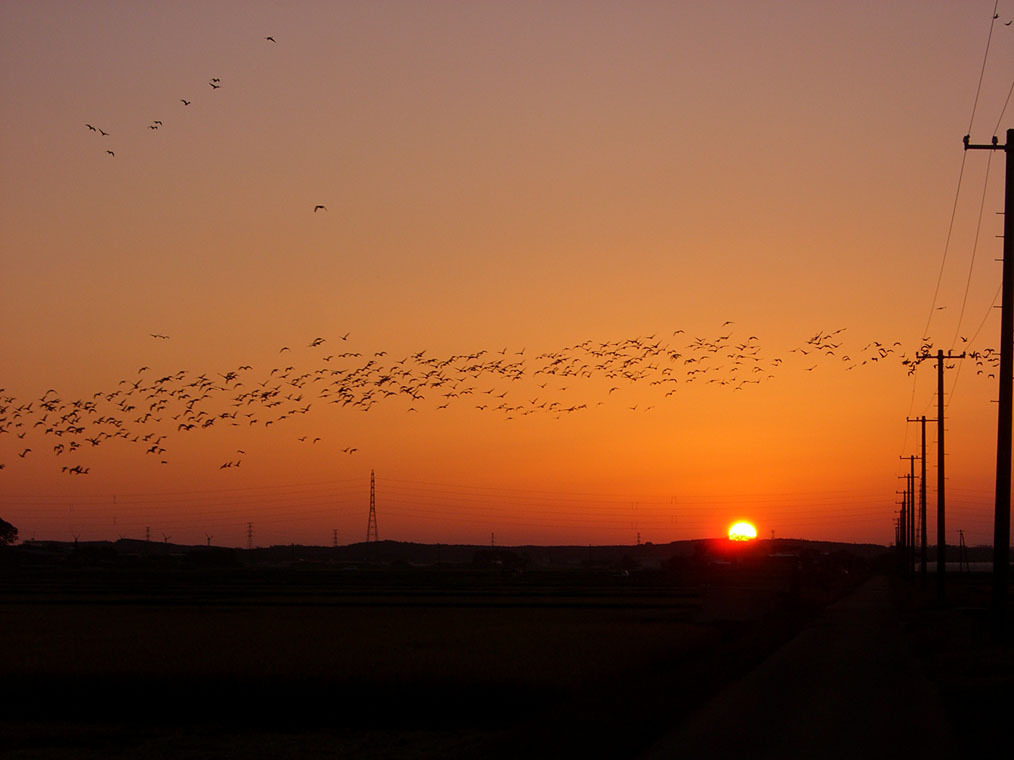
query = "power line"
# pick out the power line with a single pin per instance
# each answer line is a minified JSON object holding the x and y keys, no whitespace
{"x":975,"y":248}
{"x":982,"y":70}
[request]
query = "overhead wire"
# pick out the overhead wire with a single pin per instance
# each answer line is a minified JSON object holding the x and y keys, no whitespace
{"x":982,"y":70}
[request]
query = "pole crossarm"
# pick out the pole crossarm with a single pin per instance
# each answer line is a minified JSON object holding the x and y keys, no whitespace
{"x":923,"y":357}
{"x":994,"y":145}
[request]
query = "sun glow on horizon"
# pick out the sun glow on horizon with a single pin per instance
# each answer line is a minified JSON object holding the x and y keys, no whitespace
{"x":742,"y":531}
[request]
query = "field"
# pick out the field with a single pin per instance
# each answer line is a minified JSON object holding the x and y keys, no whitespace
{"x":375,"y":662}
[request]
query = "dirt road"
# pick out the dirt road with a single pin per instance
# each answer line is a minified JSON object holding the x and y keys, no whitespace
{"x":846,"y":687}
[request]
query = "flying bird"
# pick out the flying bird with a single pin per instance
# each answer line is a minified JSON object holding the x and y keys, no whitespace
{"x":91,"y":127}
{"x":111,"y":153}
{"x":104,"y":134}
{"x":319,"y":207}
{"x":270,"y":39}
{"x":184,"y":102}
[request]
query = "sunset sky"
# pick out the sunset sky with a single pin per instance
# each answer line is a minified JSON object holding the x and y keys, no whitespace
{"x":513,"y":189}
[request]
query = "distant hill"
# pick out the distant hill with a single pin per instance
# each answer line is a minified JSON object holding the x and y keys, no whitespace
{"x":126,"y":551}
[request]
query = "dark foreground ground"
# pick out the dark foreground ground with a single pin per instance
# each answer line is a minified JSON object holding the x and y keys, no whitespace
{"x":969,"y":663}
{"x":389,"y":662}
{"x":377,"y":662}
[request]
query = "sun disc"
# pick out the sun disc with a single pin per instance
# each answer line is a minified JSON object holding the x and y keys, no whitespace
{"x":742,"y":531}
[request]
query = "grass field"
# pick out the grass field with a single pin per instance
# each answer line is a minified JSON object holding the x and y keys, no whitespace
{"x":274,"y":663}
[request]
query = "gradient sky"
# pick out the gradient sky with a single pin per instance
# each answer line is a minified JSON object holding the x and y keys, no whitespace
{"x":519,"y":176}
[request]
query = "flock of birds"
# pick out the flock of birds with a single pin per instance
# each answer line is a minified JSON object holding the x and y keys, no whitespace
{"x":215,"y":83}
{"x":155,"y":124}
{"x":150,"y":410}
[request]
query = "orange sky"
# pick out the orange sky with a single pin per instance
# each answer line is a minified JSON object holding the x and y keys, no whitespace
{"x":517,"y":177}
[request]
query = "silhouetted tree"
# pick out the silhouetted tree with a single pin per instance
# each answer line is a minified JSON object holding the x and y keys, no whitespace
{"x":8,"y":533}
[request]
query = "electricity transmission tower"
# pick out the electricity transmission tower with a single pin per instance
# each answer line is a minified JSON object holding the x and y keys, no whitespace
{"x":371,"y":525}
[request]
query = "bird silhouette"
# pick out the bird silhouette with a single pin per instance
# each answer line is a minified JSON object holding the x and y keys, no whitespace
{"x":319,"y":207}
{"x":111,"y":153}
{"x":184,"y":102}
{"x":270,"y":39}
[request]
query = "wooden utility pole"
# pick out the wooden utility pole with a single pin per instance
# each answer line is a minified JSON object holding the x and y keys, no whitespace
{"x":909,"y":516}
{"x":922,"y":503}
{"x":941,"y":513}
{"x":911,"y":500}
{"x":1005,"y":406}
{"x":902,"y":542}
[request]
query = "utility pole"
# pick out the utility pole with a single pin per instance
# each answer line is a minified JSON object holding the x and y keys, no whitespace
{"x":911,"y":510}
{"x":334,"y":537}
{"x":1005,"y":405}
{"x":908,"y":510}
{"x":903,"y":526}
{"x":371,"y":525}
{"x":941,"y":514}
{"x":922,"y":502}
{"x":249,"y":535}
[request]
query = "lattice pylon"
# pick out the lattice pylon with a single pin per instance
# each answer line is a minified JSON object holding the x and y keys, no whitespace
{"x":371,"y":526}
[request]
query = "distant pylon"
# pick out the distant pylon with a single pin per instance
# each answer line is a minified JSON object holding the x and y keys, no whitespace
{"x":334,"y":537}
{"x":249,"y":535}
{"x":371,"y":526}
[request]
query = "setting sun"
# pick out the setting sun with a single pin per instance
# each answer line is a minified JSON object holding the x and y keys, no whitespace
{"x":742,"y":531}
